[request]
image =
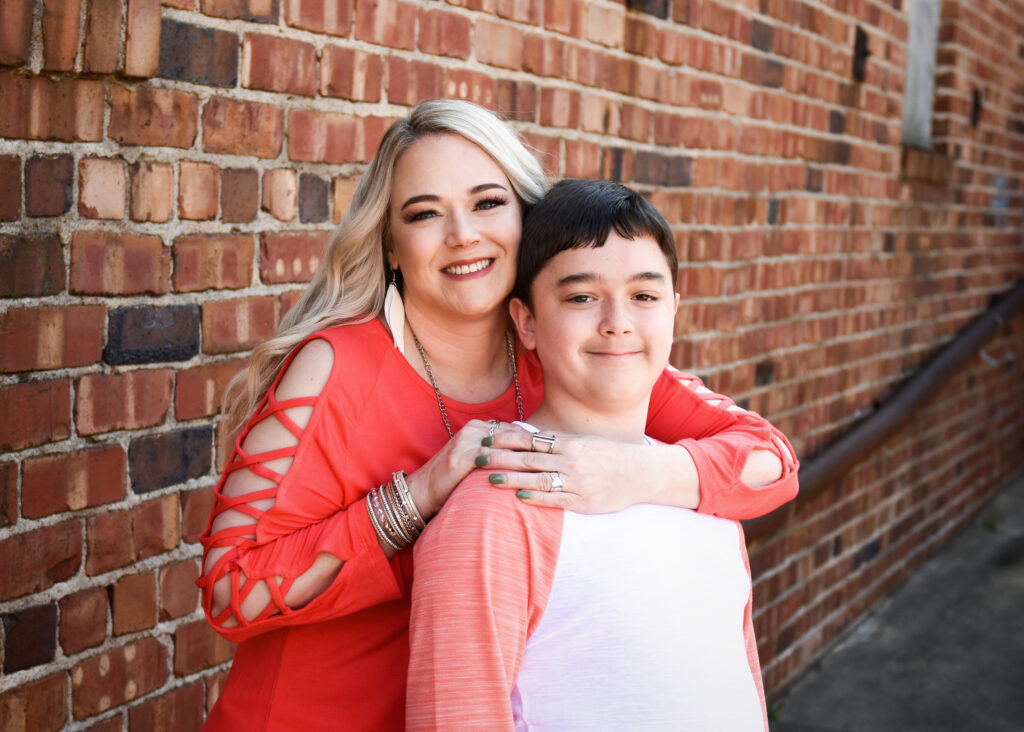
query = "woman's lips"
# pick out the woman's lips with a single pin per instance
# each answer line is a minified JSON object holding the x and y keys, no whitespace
{"x":468,"y":267}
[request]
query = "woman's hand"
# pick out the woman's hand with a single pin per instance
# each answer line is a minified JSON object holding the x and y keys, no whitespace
{"x":597,"y":475}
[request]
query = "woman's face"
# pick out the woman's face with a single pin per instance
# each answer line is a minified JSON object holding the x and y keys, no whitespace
{"x":454,"y":224}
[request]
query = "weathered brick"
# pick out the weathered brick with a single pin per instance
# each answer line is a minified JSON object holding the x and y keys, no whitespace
{"x":351,"y":74}
{"x":559,"y":107}
{"x":214,"y":684}
{"x":114,"y":677}
{"x":152,"y":117}
{"x":516,"y":100}
{"x":260,"y":11}
{"x":51,"y":337}
{"x":15,"y":32}
{"x":238,"y":325}
{"x":142,"y":38}
{"x":386,"y":22}
{"x":444,"y":34}
{"x":133,"y":603}
{"x":169,"y":458}
{"x":473,"y":86}
{"x":212,"y":261}
{"x":56,"y":555}
{"x":202,"y":55}
{"x":291,"y":256}
{"x":48,"y":182}
{"x":564,"y":16}
{"x":239,"y":195}
{"x":179,"y":595}
{"x":412,"y":82}
{"x":60,"y":34}
{"x":198,"y":190}
{"x":342,"y":191}
{"x":280,"y":193}
{"x":83,"y":620}
{"x":242,"y":128}
{"x":102,"y":23}
{"x":30,"y":266}
{"x":118,"y":538}
{"x":101,"y":188}
{"x":35,"y":706}
{"x":8,"y":493}
{"x":333,"y":138}
{"x":30,"y":637}
{"x":196,"y":507}
{"x":498,"y":44}
{"x":130,"y":400}
{"x":200,"y":390}
{"x":156,"y":526}
{"x":198,"y":646}
{"x":179,"y":710}
{"x":10,"y":188}
{"x":278,"y":64}
{"x":70,"y":482}
{"x":65,"y":109}
{"x":145,"y":334}
{"x":313,"y":198}
{"x":582,"y":159}
{"x":320,"y":16}
{"x":152,"y":192}
{"x":105,"y":263}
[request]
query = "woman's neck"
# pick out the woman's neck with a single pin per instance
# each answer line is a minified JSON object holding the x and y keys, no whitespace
{"x":567,"y":415}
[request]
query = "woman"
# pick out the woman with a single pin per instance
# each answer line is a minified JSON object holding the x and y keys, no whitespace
{"x":367,"y":414}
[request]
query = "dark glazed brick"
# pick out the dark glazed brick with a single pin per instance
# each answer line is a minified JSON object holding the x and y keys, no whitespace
{"x":30,"y":266}
{"x":762,"y":35}
{"x":613,"y":164}
{"x":773,"y":211}
{"x":657,"y":8}
{"x":313,"y":195}
{"x":764,"y":373}
{"x":815,"y":179}
{"x":157,"y":461}
{"x":836,"y":122}
{"x":772,"y":72}
{"x":203,"y":55}
{"x":146,"y":334}
{"x":651,"y":167}
{"x":841,"y":153}
{"x":48,"y":185}
{"x":30,"y":637}
{"x":239,"y":195}
{"x":10,"y":188}
{"x":680,"y":171}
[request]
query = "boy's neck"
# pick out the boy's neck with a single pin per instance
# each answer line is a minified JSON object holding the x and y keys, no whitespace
{"x":622,"y":424}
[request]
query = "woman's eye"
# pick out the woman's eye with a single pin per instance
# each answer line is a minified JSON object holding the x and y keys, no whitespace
{"x":487,"y":203}
{"x":422,"y":215}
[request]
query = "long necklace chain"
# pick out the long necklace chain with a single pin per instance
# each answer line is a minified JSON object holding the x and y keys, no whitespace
{"x":509,"y":349}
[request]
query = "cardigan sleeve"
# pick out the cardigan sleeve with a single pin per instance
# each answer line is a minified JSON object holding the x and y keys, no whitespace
{"x":719,"y":437}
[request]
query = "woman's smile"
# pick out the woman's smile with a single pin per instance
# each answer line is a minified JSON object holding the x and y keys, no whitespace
{"x":474,"y":267}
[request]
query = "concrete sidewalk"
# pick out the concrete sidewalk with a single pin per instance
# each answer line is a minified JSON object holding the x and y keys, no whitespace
{"x":945,"y":652}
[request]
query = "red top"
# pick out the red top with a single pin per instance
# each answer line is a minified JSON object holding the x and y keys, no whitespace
{"x":340,"y":661}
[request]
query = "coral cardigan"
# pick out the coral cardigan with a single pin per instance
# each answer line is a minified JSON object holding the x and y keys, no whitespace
{"x":340,"y":661}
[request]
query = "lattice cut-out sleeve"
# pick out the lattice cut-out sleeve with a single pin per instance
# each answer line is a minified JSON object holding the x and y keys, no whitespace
{"x":720,"y":437}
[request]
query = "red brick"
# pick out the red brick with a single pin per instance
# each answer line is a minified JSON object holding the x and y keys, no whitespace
{"x":333,"y":138}
{"x":180,"y":710}
{"x":179,"y":595}
{"x":212,"y":261}
{"x":30,"y":266}
{"x":524,"y":11}
{"x":238,"y":325}
{"x":72,"y":481}
{"x":156,"y":526}
{"x":239,"y":195}
{"x":15,"y":31}
{"x":280,"y":193}
{"x":351,"y":74}
{"x":214,"y":683}
{"x":564,"y":16}
{"x":198,"y":646}
{"x":599,"y":114}
{"x":130,"y":400}
{"x":412,"y":82}
{"x":114,"y":677}
{"x":102,"y":23}
{"x":516,"y":100}
{"x":343,"y":189}
{"x":35,"y":706}
{"x":261,"y":11}
{"x":55,"y":557}
{"x":196,"y":507}
{"x":582,"y":159}
{"x":444,"y":34}
{"x":153,"y":117}
{"x":547,"y":150}
{"x":10,"y":188}
{"x":242,"y":128}
{"x":320,"y":16}
{"x":51,"y":337}
{"x":133,"y":603}
{"x":48,"y":185}
{"x":498,"y":44}
{"x":105,"y":263}
{"x":544,"y":56}
{"x":180,"y":4}
{"x":117,"y":538}
{"x":560,"y":108}
{"x":198,"y":190}
{"x":60,"y":34}
{"x":8,"y":493}
{"x":152,"y":192}
{"x":83,"y":620}
{"x":101,"y":188}
{"x":473,"y":86}
{"x":291,"y":256}
{"x":66,"y":109}
{"x":605,"y":25}
{"x":386,"y":22}
{"x":278,"y":64}
{"x":115,"y":723}
{"x":142,"y":38}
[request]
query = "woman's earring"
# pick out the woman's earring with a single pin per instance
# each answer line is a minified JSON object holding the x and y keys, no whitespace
{"x":394,"y":312}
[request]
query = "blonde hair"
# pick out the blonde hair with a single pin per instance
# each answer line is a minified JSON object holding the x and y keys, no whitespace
{"x":349,"y":285}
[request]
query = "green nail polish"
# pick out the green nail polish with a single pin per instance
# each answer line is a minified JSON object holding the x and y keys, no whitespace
{"x":497,"y":478}
{"x":482,"y":460}
{"x":487,"y":441}
{"x":524,"y":495}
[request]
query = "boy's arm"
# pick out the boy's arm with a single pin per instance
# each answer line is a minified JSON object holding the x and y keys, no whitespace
{"x":484,"y":568}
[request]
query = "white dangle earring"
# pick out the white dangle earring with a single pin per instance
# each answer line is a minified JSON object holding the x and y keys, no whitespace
{"x":394,"y":312}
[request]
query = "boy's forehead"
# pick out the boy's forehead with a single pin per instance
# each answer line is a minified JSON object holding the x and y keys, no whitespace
{"x":617,"y":256}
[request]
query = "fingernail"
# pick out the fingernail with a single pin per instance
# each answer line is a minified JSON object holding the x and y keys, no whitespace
{"x":487,"y":441}
{"x":524,"y":495}
{"x":497,"y":478}
{"x":482,"y":460}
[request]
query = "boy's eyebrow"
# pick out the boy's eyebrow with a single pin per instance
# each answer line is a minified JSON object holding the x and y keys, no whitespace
{"x":432,"y":198}
{"x":584,"y":277}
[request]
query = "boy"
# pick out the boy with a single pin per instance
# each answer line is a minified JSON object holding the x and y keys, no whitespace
{"x":547,"y":619}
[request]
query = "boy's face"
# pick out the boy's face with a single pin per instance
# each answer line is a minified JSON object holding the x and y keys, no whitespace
{"x":602,"y":321}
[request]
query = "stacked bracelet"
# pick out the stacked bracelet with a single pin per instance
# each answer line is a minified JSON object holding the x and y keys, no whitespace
{"x":393,"y":513}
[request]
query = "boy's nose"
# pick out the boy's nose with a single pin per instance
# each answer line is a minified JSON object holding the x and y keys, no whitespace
{"x":615,"y":320}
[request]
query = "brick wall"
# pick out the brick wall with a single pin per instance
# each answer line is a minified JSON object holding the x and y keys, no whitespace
{"x":169,"y":174}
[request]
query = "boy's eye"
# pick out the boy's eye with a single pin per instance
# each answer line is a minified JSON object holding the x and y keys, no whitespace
{"x":646,"y":297}
{"x":580,"y":298}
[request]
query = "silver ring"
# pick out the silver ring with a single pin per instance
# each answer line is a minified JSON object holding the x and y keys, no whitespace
{"x":546,"y":439}
{"x":556,"y":482}
{"x":494,"y":427}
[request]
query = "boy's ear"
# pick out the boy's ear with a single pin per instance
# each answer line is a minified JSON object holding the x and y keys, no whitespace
{"x":675,"y":309}
{"x":525,"y":322}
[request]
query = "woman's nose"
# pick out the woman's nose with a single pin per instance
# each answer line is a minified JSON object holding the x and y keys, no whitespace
{"x":461,"y":231}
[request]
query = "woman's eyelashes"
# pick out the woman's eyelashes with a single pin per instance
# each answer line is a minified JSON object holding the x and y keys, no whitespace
{"x":484,"y":204}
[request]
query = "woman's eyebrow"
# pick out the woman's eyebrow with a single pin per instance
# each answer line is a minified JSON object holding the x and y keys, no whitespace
{"x":430,"y":197}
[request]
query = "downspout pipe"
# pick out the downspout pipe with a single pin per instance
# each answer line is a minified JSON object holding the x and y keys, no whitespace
{"x":865,"y":437}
